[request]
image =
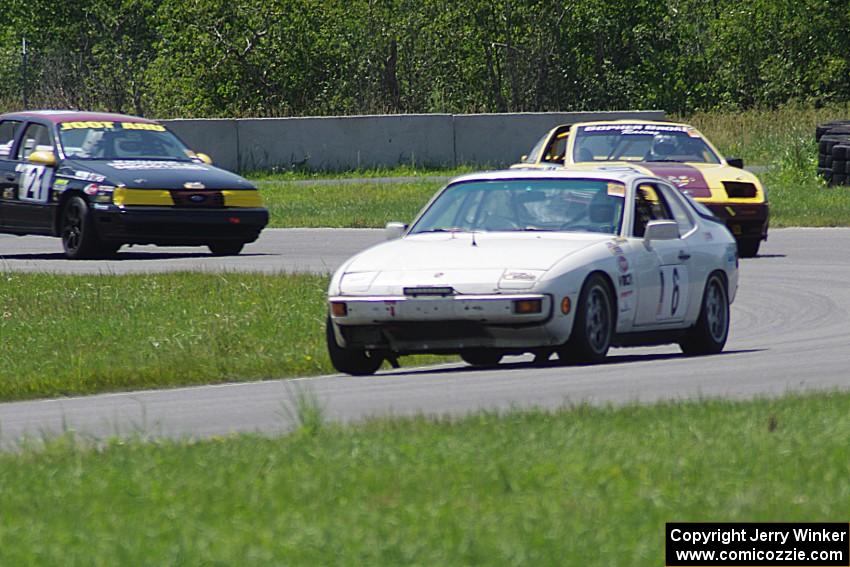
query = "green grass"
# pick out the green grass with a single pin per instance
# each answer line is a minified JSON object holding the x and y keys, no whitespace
{"x":398,"y":171}
{"x":583,"y":486}
{"x":761,"y":137}
{"x":354,"y":205}
{"x":62,"y":335}
{"x":71,"y":335}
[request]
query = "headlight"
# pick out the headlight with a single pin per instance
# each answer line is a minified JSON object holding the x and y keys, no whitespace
{"x":520,"y":279}
{"x":357,"y":282}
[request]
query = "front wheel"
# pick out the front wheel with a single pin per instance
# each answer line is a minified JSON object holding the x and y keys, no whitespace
{"x":348,"y":360}
{"x":709,"y":335}
{"x":226,"y":248}
{"x":593,"y":327}
{"x":78,"y":231}
{"x":749,"y":247}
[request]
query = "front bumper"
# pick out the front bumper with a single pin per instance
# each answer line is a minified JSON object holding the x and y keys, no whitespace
{"x":743,"y":220}
{"x":179,"y":226}
{"x":444,"y":324}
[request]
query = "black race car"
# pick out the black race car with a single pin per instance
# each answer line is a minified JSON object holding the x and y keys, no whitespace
{"x":101,"y":180}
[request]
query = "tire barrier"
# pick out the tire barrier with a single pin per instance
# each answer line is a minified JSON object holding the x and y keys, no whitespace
{"x":833,"y":139}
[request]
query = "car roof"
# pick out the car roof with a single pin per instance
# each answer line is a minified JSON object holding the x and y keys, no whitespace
{"x":623,"y":174}
{"x":625,"y":121}
{"x":57,"y":116}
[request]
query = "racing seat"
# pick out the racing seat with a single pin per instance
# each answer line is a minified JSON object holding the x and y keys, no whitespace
{"x":602,"y":211}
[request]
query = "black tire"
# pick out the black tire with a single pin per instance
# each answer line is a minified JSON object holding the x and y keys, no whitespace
{"x":226,"y":248}
{"x":748,"y":247}
{"x":822,"y":160}
{"x":824,"y":128}
{"x":481,"y":357}
{"x":847,"y":168}
{"x":709,"y":334}
{"x":79,"y":238}
{"x":840,"y":152}
{"x":825,"y":172}
{"x":348,"y":360}
{"x":593,"y":327}
{"x":829,"y":141}
{"x":838,"y":179}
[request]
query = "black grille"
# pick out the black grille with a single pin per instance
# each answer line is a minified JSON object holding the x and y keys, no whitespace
{"x":739,"y":189}
{"x":432,"y":290}
{"x":198,"y":199}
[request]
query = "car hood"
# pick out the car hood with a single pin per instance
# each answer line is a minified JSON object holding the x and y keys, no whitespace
{"x":441,"y":259}
{"x":159,"y":174}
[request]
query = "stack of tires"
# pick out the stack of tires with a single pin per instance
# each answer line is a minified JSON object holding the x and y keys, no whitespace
{"x":834,"y":151}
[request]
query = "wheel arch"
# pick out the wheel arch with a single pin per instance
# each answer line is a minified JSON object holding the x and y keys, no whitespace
{"x":60,"y":208}
{"x":612,"y":289}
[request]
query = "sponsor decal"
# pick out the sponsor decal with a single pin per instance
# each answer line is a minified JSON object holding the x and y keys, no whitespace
{"x":84,"y":176}
{"x":651,"y":129}
{"x":130,"y":164}
{"x":626,"y":280}
{"x":623,"y":264}
{"x":708,"y":236}
{"x":107,"y":125}
{"x":614,"y":249}
{"x":9,"y":193}
{"x":626,"y":301}
{"x":90,"y":189}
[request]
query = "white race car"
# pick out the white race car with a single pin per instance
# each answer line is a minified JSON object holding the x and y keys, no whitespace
{"x":542,"y":262}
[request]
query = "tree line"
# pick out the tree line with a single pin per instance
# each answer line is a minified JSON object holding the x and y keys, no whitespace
{"x":214,"y":58}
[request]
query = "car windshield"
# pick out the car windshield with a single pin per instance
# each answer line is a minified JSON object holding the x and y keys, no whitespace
{"x":641,"y":142}
{"x":121,"y":140}
{"x":570,"y":205}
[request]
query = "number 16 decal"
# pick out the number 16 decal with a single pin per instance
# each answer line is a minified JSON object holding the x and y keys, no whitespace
{"x":673,"y":292}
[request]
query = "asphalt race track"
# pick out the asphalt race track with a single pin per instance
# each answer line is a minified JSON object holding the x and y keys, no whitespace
{"x":789,"y":333}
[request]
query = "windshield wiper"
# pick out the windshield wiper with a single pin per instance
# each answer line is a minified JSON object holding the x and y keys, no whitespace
{"x":442,"y":229}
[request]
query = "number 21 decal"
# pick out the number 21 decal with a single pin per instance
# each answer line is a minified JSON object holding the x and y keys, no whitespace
{"x":33,"y":183}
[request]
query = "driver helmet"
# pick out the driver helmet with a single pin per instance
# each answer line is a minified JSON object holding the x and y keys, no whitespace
{"x":664,"y":145}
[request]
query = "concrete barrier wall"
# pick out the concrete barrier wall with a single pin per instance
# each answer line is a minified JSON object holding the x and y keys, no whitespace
{"x":352,"y":142}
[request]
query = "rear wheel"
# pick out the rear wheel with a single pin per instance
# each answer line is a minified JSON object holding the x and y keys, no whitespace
{"x":481,"y":357}
{"x":749,"y":247}
{"x":78,"y":232}
{"x":709,"y":335}
{"x":227,"y":248}
{"x":348,"y":360}
{"x":593,"y":327}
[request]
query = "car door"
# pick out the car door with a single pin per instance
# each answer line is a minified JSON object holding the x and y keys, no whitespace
{"x":30,"y":209}
{"x":8,"y":176}
{"x":662,"y":267}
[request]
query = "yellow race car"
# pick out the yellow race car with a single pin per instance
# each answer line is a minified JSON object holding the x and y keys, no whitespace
{"x":673,"y":151}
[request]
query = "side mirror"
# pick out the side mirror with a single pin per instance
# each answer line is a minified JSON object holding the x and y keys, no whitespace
{"x":661,"y":230}
{"x":736,"y":162}
{"x":42,"y":157}
{"x":394,"y":230}
{"x":204,"y":158}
